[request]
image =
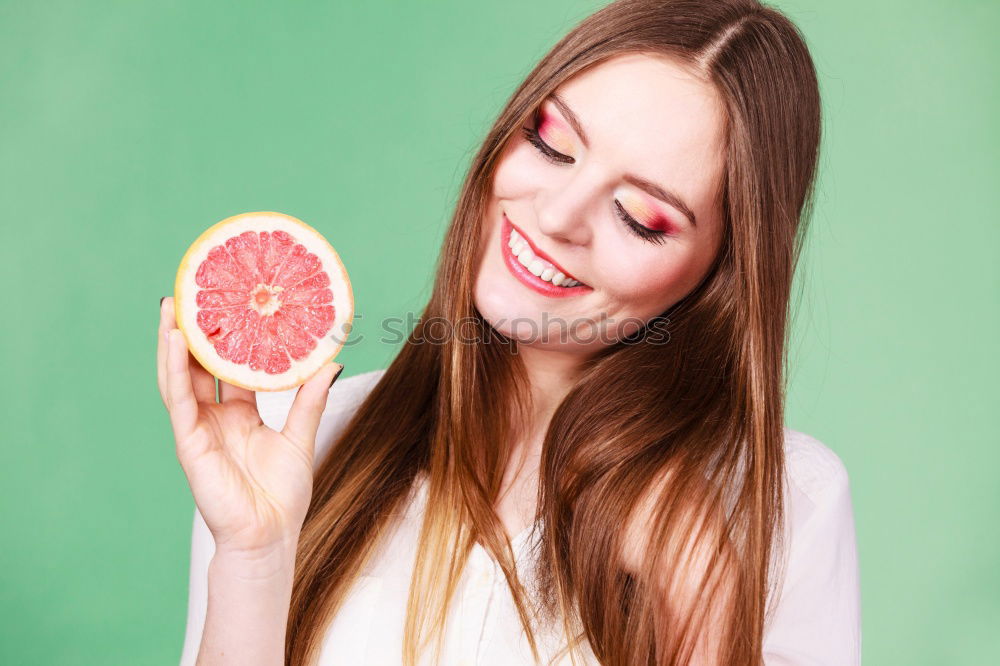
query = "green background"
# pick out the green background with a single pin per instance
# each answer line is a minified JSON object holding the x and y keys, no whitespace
{"x":126,"y":128}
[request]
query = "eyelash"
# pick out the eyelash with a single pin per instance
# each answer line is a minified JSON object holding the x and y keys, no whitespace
{"x":643,"y":232}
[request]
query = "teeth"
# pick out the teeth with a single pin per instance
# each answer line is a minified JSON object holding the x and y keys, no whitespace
{"x":526,"y":257}
{"x":515,"y":240}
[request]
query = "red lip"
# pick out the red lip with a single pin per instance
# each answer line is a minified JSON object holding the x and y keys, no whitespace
{"x":528,"y":278}
{"x":539,"y":253}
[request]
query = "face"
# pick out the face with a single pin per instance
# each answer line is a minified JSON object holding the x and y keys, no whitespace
{"x":604,"y":210}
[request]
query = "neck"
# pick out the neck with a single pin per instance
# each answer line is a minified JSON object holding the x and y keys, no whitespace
{"x":551,"y":375}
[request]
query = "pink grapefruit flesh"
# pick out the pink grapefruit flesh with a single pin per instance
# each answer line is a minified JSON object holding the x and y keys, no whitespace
{"x":263,"y":300}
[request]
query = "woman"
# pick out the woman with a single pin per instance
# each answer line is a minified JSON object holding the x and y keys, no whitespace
{"x":578,"y":456}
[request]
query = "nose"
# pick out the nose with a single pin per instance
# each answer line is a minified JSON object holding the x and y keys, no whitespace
{"x":564,"y":213}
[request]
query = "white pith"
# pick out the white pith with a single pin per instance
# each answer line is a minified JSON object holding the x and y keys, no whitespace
{"x":536,"y":265}
{"x":186,"y":310}
{"x":273,"y":302}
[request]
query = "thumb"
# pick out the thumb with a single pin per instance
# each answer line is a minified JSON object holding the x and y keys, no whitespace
{"x":307,"y":408}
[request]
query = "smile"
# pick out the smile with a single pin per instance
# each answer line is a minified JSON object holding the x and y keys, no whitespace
{"x":534,"y":268}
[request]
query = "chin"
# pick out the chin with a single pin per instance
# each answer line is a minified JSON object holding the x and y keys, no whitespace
{"x":523,"y":323}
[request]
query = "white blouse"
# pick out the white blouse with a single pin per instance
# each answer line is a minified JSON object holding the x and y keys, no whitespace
{"x":816,"y":621}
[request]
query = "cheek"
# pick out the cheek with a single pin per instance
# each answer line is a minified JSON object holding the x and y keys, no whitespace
{"x":518,"y":174}
{"x":643,"y":282}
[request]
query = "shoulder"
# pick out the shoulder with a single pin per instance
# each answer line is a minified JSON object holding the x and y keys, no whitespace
{"x":344,"y":398}
{"x":812,"y":468}
{"x":818,"y":509}
{"x":815,"y":601}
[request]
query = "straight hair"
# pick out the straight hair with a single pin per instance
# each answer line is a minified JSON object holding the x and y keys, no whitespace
{"x":691,"y":431}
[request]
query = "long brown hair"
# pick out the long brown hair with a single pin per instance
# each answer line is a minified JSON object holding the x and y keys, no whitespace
{"x":689,"y":432}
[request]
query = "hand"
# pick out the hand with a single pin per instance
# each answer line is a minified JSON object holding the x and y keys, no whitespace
{"x":251,"y":483}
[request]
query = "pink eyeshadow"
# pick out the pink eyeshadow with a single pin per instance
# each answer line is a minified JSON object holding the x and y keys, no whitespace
{"x":646,"y":214}
{"x":554,"y":133}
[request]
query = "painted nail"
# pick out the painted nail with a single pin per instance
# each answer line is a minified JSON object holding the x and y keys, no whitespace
{"x":161,"y":300}
{"x":337,"y":374}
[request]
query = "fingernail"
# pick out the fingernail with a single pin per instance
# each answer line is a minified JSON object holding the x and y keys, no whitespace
{"x":161,"y":300}
{"x":337,"y":374}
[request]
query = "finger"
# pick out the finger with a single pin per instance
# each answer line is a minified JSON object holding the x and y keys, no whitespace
{"x":167,"y":310}
{"x":229,"y":392}
{"x":307,"y":408}
{"x":161,"y":352}
{"x":181,"y":400}
{"x":202,"y":381}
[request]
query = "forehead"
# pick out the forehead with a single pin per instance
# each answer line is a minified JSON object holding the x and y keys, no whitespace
{"x":646,"y":114}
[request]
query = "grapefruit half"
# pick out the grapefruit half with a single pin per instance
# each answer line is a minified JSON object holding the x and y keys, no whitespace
{"x":263,"y":300}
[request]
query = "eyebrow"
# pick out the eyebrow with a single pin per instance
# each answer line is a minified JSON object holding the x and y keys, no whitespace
{"x":647,"y":186}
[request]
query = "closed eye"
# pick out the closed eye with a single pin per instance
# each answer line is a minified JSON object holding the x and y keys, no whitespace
{"x":535,"y":139}
{"x":657,"y":236}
